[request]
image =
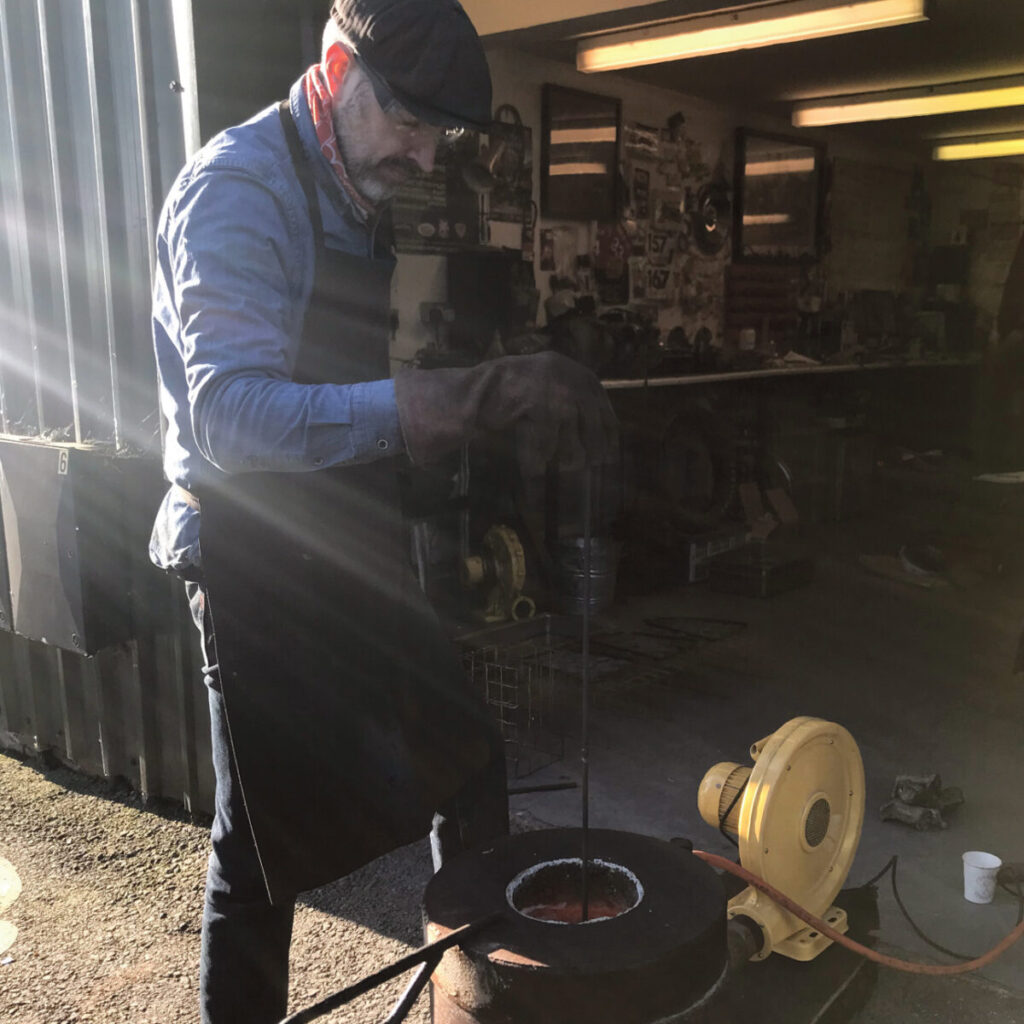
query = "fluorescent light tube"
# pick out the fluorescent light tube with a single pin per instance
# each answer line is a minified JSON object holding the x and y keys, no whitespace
{"x":978,"y":147}
{"x":984,"y":94}
{"x":1012,"y":126}
{"x":790,"y":165}
{"x":742,"y":29}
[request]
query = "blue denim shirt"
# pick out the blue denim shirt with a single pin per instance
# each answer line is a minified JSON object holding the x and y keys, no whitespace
{"x":235,"y":267}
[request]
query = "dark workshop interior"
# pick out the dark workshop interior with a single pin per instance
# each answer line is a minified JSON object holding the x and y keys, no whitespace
{"x":796,"y":264}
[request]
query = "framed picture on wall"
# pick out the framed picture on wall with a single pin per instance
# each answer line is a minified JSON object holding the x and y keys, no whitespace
{"x":579,"y":154}
{"x":778,"y":198}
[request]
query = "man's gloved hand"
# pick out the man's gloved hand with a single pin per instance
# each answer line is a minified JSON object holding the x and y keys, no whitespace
{"x":556,"y":406}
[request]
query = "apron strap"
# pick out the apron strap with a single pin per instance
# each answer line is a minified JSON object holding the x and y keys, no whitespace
{"x":302,"y":172}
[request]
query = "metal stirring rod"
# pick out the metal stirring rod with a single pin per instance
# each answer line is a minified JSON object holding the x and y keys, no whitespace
{"x":585,"y":710}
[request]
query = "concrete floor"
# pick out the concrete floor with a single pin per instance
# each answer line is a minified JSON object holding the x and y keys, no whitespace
{"x":921,"y":678}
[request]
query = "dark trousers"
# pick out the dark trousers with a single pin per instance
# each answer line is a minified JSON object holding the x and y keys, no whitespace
{"x":243,"y":971}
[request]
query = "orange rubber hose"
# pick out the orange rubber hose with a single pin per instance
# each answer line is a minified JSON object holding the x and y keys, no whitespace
{"x":909,"y":966}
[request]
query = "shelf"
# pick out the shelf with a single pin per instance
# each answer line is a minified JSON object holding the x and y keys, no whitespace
{"x":787,"y":371}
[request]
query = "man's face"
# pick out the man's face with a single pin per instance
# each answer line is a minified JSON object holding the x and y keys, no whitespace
{"x":381,"y":150}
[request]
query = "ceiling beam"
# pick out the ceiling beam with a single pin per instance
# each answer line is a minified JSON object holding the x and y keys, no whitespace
{"x":492,"y":17}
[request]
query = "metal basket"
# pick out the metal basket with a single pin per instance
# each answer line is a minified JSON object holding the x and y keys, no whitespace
{"x":520,"y":669}
{"x":530,"y":674}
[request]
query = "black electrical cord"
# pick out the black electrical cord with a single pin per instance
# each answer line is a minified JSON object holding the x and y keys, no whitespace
{"x":890,"y":869}
{"x":824,"y":928}
{"x":1017,"y":894}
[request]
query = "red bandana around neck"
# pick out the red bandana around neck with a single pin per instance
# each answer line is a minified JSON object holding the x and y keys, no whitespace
{"x":322,"y":82}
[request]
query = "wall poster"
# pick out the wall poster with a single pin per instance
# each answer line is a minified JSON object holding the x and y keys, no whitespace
{"x":439,"y":212}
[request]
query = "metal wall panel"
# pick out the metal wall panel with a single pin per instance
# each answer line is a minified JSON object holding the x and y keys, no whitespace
{"x":20,"y":324}
{"x":93,"y":138}
{"x":100,"y":103}
{"x":137,"y":711}
{"x":94,"y":104}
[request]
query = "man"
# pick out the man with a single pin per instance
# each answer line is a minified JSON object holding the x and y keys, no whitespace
{"x":341,"y":718}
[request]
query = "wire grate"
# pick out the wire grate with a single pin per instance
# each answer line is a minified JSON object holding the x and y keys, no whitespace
{"x":530,"y":673}
{"x":519,"y":682}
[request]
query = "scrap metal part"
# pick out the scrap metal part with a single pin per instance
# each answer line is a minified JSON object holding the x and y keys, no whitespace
{"x":920,"y":801}
{"x":921,"y":818}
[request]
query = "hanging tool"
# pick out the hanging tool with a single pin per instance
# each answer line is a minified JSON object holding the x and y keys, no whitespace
{"x":502,"y":162}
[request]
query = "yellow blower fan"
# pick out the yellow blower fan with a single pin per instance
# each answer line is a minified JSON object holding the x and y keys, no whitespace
{"x":500,"y":570}
{"x":797,"y":814}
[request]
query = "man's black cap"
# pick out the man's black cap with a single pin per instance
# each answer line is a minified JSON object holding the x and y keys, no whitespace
{"x":426,"y":53}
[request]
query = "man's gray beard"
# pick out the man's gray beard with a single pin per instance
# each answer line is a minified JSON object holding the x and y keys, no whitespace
{"x":369,"y":184}
{"x":364,"y":174}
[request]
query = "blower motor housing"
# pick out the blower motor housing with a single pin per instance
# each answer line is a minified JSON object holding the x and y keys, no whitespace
{"x":797,"y":814}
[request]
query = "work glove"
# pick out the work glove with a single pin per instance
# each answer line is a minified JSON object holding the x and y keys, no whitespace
{"x":556,"y":407}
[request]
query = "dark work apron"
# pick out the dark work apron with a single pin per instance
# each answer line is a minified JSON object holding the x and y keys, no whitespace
{"x":349,"y":714}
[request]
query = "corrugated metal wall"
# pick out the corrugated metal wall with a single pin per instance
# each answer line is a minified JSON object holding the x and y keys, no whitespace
{"x":100,"y":103}
{"x":136,"y":711}
{"x":91,"y":137}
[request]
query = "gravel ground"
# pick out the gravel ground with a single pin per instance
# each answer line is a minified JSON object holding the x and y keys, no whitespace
{"x":109,"y":914}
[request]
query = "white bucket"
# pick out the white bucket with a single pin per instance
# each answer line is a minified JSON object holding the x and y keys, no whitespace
{"x":980,"y":876}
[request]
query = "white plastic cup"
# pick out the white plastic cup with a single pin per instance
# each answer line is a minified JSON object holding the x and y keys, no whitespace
{"x":980,"y":876}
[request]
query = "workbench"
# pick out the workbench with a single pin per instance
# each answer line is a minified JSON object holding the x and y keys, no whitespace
{"x":791,"y":371}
